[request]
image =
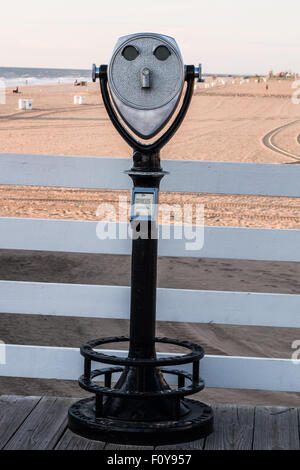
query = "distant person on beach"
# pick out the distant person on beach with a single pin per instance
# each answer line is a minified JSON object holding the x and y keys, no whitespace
{"x":16,"y":90}
{"x":267,"y":87}
{"x":81,"y":83}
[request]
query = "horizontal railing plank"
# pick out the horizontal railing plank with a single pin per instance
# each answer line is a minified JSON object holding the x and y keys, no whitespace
{"x":75,"y":300}
{"x":218,"y":371}
{"x":184,"y":175}
{"x":219,"y":242}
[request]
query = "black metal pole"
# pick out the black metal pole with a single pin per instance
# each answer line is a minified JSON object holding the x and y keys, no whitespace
{"x":146,"y":172}
{"x":143,"y":293}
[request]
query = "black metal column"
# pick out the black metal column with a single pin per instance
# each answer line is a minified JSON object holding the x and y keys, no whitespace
{"x":143,"y":292}
{"x":146,"y":172}
{"x":142,"y":408}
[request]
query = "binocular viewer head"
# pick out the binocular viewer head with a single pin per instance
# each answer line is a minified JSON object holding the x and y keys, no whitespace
{"x":146,"y":78}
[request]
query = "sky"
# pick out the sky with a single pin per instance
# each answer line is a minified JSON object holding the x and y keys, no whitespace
{"x":227,"y":36}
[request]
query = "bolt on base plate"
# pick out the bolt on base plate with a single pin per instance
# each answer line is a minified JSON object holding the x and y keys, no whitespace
{"x":197,"y":424}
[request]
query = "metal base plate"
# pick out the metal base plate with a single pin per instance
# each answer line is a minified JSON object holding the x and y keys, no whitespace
{"x":197,"y":424}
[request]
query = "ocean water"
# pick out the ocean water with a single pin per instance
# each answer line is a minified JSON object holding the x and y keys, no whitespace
{"x":19,"y":76}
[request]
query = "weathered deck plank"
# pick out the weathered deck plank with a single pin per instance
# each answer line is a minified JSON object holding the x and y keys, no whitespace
{"x":43,"y":427}
{"x":13,"y":412}
{"x":35,"y":423}
{"x":70,"y":441}
{"x":128,"y":447}
{"x":233,"y":428}
{"x":194,"y":445}
{"x":276,"y":428}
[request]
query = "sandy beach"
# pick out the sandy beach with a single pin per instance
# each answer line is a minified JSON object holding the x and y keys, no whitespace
{"x":224,"y":123}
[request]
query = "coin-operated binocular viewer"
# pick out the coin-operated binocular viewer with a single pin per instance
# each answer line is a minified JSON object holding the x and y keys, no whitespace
{"x":141,"y":89}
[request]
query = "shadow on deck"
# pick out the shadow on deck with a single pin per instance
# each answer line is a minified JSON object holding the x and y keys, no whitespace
{"x":40,"y":423}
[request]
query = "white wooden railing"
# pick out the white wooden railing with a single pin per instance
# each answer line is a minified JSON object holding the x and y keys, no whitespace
{"x":234,"y":308}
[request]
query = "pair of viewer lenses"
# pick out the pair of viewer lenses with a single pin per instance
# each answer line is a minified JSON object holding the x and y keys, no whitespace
{"x":131,"y":52}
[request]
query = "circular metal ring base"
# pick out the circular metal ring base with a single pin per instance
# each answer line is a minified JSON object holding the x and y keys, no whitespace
{"x":197,"y":424}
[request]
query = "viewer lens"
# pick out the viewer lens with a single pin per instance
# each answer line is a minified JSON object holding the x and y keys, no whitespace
{"x":162,"y":53}
{"x":130,"y":53}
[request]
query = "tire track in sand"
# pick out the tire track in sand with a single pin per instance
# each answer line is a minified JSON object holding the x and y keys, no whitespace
{"x":268,"y":141}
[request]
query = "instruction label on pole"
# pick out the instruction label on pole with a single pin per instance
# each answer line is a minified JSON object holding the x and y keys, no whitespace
{"x":143,"y":204}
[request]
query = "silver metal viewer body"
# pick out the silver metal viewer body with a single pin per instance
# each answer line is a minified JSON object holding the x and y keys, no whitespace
{"x":146,"y":77}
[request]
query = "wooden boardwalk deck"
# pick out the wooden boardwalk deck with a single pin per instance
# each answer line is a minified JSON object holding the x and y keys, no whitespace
{"x":40,"y":423}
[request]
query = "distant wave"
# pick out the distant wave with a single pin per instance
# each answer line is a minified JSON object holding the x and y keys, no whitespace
{"x":17,"y":76}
